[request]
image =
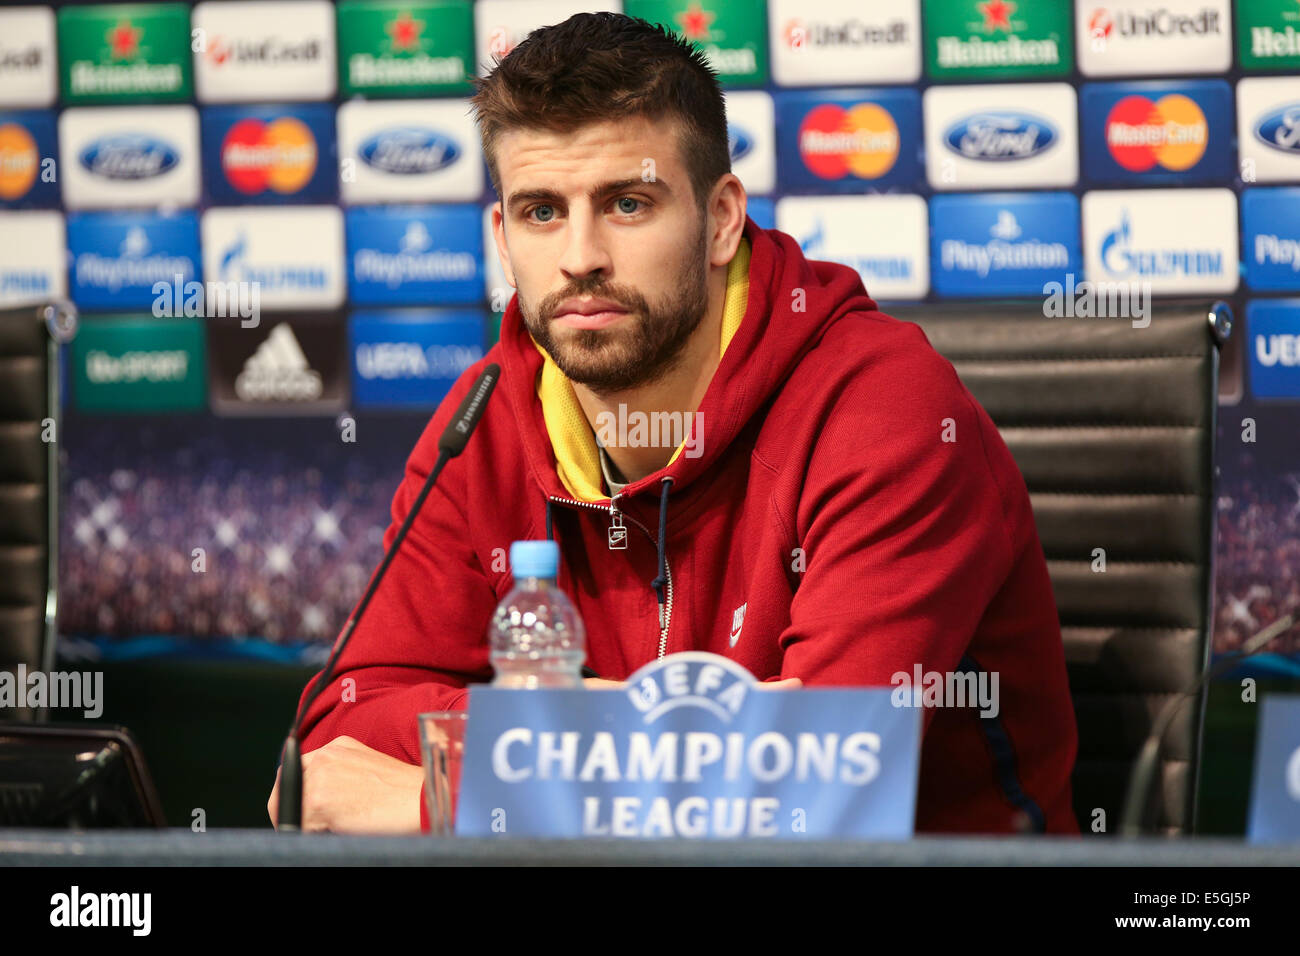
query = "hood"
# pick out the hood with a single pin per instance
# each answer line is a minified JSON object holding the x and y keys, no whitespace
{"x":778,"y":305}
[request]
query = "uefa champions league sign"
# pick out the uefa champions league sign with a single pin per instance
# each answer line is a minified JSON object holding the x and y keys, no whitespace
{"x":1275,"y":796}
{"x":692,"y":747}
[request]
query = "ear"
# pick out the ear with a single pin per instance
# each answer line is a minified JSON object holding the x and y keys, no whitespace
{"x":503,"y":252}
{"x":726,"y":211}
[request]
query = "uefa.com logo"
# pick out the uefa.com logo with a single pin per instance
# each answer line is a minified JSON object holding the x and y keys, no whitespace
{"x":1125,"y":299}
{"x":211,"y":299}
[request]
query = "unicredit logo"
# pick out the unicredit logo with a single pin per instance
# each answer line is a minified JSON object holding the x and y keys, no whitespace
{"x":1280,"y":129}
{"x":803,"y":35}
{"x":1154,"y":22}
{"x":1000,"y":136}
{"x":408,"y":151}
{"x":271,"y":50}
{"x":28,"y":59}
{"x":128,"y":157}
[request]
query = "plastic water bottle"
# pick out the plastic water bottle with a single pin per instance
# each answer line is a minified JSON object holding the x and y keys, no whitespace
{"x":537,"y":636}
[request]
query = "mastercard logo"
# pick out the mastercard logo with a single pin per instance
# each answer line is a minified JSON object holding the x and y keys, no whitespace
{"x":862,"y":141}
{"x":19,"y":161}
{"x":279,"y":155}
{"x":1171,"y":132}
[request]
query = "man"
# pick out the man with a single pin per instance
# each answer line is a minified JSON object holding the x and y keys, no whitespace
{"x":833,"y":507}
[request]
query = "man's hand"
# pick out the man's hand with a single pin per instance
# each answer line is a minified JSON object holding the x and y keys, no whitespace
{"x":349,"y":788}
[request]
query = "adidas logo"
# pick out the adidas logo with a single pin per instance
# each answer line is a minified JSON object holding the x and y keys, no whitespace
{"x":278,"y":371}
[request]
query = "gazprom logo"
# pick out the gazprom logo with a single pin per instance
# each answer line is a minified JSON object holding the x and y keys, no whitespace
{"x":1000,"y":136}
{"x":409,"y":151}
{"x":695,"y":679}
{"x":740,"y":143}
{"x":1280,"y":129}
{"x":126,"y":156}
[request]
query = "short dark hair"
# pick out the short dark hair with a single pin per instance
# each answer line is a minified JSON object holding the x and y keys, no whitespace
{"x":595,"y":67}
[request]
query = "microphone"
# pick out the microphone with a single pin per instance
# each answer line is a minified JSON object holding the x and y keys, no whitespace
{"x":454,"y":438}
{"x":1145,"y":765}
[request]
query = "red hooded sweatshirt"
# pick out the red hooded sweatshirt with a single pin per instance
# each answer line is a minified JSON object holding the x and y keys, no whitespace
{"x":849,"y":513}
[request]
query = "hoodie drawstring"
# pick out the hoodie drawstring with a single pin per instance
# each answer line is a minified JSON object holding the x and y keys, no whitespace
{"x":658,"y":584}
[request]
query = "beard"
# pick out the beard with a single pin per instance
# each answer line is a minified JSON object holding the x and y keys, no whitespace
{"x":638,"y":349}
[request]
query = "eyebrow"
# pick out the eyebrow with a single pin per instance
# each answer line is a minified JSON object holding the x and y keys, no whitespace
{"x":596,"y":192}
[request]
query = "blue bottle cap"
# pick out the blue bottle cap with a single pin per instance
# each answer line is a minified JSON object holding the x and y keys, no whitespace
{"x":534,"y":559}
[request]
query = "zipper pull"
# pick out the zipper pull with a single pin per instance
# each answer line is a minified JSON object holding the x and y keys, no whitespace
{"x":617,"y":530}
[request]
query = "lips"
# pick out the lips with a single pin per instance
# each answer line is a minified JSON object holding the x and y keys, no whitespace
{"x":596,"y":320}
{"x":594,"y":314}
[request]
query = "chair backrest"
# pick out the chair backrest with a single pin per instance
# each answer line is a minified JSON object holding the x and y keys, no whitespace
{"x":29,"y":421}
{"x":1113,"y":427}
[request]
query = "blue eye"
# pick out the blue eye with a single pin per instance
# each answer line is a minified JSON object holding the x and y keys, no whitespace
{"x":623,"y":199}
{"x":552,"y":208}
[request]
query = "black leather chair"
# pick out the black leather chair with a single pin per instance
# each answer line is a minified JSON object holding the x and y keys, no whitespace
{"x":1113,"y":428}
{"x":29,"y":417}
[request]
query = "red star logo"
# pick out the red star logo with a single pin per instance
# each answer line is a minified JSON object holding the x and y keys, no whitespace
{"x":695,"y":22}
{"x":997,"y":15}
{"x":404,"y":32}
{"x":124,"y":40}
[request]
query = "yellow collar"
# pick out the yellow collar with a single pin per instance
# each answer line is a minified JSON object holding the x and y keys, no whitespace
{"x":577,"y":460}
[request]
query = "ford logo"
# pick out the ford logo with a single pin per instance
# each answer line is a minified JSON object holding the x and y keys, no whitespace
{"x":128,"y":156}
{"x":1000,"y":136}
{"x":738,"y":143}
{"x":408,"y":151}
{"x":1281,"y":129}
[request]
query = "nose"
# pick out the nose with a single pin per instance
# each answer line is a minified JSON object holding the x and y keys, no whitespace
{"x":585,"y":252}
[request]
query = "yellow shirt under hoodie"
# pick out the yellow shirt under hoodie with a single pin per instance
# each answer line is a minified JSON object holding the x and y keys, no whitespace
{"x":577,"y":459}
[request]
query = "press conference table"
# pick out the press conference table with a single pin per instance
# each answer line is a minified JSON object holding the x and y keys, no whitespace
{"x":181,"y":847}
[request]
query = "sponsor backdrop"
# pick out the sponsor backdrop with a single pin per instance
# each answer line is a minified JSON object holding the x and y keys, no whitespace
{"x":945,"y":149}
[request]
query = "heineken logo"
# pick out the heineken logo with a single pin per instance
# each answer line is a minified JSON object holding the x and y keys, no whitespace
{"x":999,"y":37}
{"x":125,"y":51}
{"x":997,"y":15}
{"x":404,"y":33}
{"x":1268,"y":42}
{"x":408,"y":151}
{"x":124,"y":41}
{"x":368,"y":70}
{"x":133,"y":78}
{"x":128,"y":157}
{"x":1011,"y":51}
{"x":697,"y":25}
{"x":695,"y":22}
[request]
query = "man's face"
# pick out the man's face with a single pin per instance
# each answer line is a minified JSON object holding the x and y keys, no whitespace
{"x":586,"y":217}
